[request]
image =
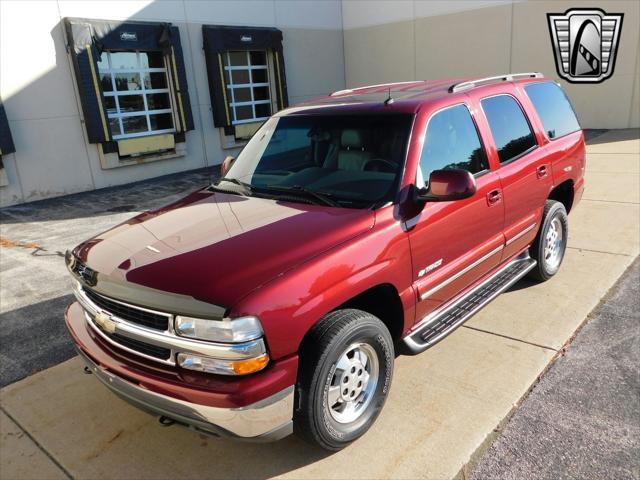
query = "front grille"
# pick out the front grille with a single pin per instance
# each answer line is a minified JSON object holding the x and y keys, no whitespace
{"x":130,"y":314}
{"x":142,"y":347}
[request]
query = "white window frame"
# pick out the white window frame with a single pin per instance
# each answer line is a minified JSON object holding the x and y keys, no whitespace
{"x":231,"y":87}
{"x":143,"y":91}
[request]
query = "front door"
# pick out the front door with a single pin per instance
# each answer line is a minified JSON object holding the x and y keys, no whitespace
{"x":455,"y":243}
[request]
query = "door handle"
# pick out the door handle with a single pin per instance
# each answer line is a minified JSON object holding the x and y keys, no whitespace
{"x":493,"y":197}
{"x":542,"y":171}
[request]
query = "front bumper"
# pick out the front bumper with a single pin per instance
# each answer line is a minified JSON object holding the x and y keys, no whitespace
{"x":267,"y":420}
{"x":257,"y":408}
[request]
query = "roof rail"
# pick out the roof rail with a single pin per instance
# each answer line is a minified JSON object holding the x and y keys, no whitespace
{"x":459,"y":87}
{"x":364,"y":87}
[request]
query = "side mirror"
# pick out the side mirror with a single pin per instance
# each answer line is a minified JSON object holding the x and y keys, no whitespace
{"x":447,"y":185}
{"x":226,"y":165}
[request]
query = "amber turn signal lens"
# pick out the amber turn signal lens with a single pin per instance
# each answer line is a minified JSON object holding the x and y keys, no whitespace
{"x":222,"y":367}
{"x":244,"y":367}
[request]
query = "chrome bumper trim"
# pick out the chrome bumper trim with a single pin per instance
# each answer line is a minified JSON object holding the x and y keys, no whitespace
{"x":167,"y":339}
{"x":266,"y":420}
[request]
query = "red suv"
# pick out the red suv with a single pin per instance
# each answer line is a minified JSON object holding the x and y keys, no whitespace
{"x":351,"y":228}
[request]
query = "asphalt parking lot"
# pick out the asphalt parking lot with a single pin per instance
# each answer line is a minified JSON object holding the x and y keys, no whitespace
{"x":583,"y":419}
{"x":35,"y":287}
{"x":445,"y":405}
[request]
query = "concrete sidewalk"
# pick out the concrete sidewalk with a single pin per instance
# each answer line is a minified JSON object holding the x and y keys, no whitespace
{"x":444,"y":404}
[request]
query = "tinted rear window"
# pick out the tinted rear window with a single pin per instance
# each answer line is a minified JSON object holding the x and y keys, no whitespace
{"x":554,"y":109}
{"x":509,"y":127}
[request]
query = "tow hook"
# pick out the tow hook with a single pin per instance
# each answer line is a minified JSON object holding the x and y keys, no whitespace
{"x":165,"y":422}
{"x":87,"y":370}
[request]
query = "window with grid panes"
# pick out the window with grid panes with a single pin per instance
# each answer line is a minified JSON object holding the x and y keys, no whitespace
{"x":137,"y":95}
{"x":248,"y":88}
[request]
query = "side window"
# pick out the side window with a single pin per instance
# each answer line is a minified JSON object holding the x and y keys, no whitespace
{"x":451,"y":141}
{"x":509,"y":127}
{"x":554,"y":109}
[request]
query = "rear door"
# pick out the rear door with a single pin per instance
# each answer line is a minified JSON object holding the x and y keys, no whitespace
{"x":454,"y":243}
{"x":525,"y":169}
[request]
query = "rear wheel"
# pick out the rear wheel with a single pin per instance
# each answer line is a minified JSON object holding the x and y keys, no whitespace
{"x":345,"y":374}
{"x":549,"y":246}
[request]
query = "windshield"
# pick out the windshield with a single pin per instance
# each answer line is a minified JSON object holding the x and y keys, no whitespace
{"x":353,"y":160}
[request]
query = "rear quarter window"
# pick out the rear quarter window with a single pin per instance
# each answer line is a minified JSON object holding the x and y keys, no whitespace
{"x":509,"y":127}
{"x":554,"y":109}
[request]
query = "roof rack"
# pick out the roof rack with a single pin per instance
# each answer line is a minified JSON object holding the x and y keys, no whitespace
{"x":364,"y":87}
{"x":459,"y":87}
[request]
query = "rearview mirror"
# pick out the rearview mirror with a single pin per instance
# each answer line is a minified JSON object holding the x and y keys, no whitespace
{"x":447,"y":185}
{"x":226,"y":165}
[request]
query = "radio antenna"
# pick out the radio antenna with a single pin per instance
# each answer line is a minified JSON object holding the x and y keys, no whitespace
{"x":389,"y":100}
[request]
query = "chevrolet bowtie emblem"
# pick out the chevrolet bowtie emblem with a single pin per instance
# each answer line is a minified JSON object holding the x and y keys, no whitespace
{"x":105,"y":322}
{"x":585,"y":43}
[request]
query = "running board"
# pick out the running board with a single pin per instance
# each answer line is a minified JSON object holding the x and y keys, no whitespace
{"x":437,"y":325}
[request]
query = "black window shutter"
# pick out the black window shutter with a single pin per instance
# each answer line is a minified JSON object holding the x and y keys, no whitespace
{"x":84,"y":55}
{"x":6,"y":141}
{"x":88,"y":38}
{"x":179,"y":74}
{"x":281,"y":79}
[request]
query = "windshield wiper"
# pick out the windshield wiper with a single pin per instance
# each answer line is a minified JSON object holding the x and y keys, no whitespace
{"x":247,"y":187}
{"x":323,"y":197}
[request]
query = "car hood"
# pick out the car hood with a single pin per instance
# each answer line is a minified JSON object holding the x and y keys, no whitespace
{"x":218,"y":247}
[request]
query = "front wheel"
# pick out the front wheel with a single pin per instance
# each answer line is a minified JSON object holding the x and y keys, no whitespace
{"x":346,"y":365}
{"x":549,"y":246}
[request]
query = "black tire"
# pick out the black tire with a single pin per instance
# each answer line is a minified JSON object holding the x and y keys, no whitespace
{"x":320,"y":352}
{"x":554,"y":212}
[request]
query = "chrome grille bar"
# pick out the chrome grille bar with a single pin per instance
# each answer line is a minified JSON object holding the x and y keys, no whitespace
{"x":165,"y":339}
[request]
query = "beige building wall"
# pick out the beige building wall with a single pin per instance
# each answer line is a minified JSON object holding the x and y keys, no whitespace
{"x":409,"y":40}
{"x":38,"y":89}
{"x":328,"y":45}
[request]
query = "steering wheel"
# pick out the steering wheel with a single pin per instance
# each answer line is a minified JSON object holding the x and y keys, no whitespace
{"x":380,"y":165}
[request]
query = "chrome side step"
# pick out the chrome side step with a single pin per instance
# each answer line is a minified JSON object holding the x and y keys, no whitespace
{"x":437,"y":325}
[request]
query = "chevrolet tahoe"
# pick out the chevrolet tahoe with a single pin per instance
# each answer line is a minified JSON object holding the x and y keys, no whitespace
{"x":350,"y":229}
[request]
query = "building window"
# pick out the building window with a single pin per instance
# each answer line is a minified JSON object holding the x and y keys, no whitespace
{"x":136,"y":92}
{"x":247,"y":80}
{"x":248,"y":85}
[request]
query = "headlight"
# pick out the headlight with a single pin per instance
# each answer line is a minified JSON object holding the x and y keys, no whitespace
{"x":235,"y":330}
